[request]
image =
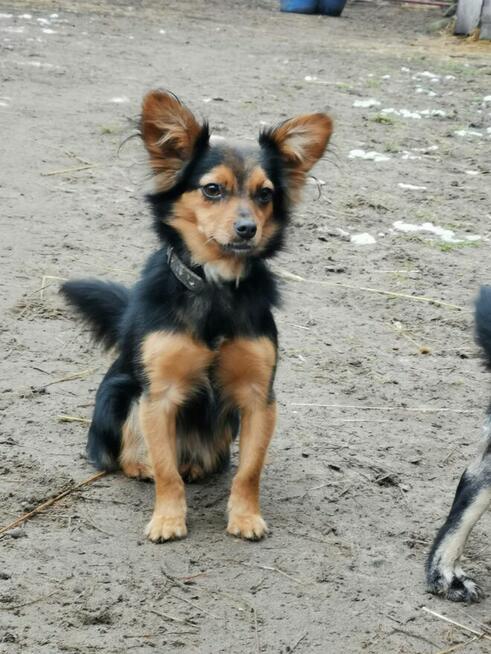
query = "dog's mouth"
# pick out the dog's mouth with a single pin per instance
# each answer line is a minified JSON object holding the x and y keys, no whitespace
{"x":238,"y":248}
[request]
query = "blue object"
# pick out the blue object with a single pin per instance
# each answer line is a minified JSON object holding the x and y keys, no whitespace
{"x":331,"y":7}
{"x":299,"y":6}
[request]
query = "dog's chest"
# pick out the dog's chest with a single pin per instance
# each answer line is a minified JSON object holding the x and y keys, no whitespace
{"x":219,"y":314}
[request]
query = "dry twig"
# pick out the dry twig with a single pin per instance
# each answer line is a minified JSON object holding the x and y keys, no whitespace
{"x":64,"y":171}
{"x":50,"y":502}
{"x":285,"y":274}
{"x":65,"y":418}
{"x":34,"y":601}
{"x":256,"y":630}
{"x":72,"y":376}
{"x":298,"y":643}
{"x":454,"y":648}
{"x":479,"y":634}
{"x":195,"y":606}
{"x":272,"y":569}
{"x":417,"y":409}
{"x":166,"y":616}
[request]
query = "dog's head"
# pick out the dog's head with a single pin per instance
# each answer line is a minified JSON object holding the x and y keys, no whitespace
{"x":226,"y":202}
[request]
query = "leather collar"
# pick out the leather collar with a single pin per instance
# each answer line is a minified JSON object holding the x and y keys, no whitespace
{"x":185,"y":275}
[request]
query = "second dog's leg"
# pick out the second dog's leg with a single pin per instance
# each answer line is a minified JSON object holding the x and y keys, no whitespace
{"x":473,"y":496}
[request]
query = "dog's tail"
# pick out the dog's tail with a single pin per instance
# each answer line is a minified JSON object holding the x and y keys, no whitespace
{"x":100,"y":304}
{"x":483,"y":321}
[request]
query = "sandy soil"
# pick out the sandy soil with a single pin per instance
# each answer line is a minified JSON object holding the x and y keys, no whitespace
{"x":352,"y":495}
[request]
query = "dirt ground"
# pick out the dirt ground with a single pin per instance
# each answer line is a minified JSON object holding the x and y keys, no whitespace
{"x":381,"y":396}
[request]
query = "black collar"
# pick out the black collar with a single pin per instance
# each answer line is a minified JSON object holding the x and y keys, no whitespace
{"x":187,"y":277}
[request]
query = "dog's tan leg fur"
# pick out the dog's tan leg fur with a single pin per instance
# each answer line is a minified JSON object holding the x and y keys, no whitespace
{"x":245,"y":370}
{"x":134,"y":459}
{"x":174,"y":364}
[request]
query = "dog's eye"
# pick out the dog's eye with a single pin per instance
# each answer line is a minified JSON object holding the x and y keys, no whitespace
{"x":212,"y":191}
{"x":265,"y":195}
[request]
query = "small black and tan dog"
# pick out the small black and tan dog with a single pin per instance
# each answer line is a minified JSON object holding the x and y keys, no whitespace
{"x":195,"y":338}
{"x":473,"y":496}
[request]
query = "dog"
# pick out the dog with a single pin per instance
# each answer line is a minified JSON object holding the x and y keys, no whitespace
{"x":473,"y":496}
{"x":196,"y":342}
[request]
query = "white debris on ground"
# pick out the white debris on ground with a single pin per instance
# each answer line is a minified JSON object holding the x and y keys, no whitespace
{"x":468,"y":132}
{"x":120,"y":100}
{"x":36,"y":64}
{"x":428,"y":92}
{"x":445,"y":235}
{"x":404,"y":113}
{"x":14,"y":30}
{"x":426,"y":150}
{"x":362,"y":239}
{"x":366,"y":104}
{"x":433,"y":77}
{"x":405,"y":155}
{"x":371,"y":155}
{"x":315,"y":80}
{"x":412,"y":187}
{"x":417,"y":115}
{"x":433,"y":112}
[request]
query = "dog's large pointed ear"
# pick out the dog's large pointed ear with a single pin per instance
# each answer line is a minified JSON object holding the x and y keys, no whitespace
{"x":300,"y":142}
{"x":171,"y":135}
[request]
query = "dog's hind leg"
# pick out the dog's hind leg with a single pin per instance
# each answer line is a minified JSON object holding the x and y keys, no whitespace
{"x":114,"y":399}
{"x":134,"y":458}
{"x":473,"y":496}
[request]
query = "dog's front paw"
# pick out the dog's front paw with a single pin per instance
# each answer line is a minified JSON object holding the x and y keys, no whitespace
{"x":162,"y":528}
{"x":457,"y":587}
{"x":248,"y":525}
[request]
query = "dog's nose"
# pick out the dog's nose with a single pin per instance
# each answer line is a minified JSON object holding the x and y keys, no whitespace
{"x":245,"y":228}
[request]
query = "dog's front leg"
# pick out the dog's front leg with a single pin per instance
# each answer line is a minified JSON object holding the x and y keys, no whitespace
{"x":244,"y":513}
{"x":174,"y":365}
{"x":247,"y":369}
{"x":158,"y":421}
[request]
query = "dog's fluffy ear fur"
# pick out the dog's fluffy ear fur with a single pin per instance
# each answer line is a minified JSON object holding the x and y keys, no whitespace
{"x":170,"y":133}
{"x":300,"y":142}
